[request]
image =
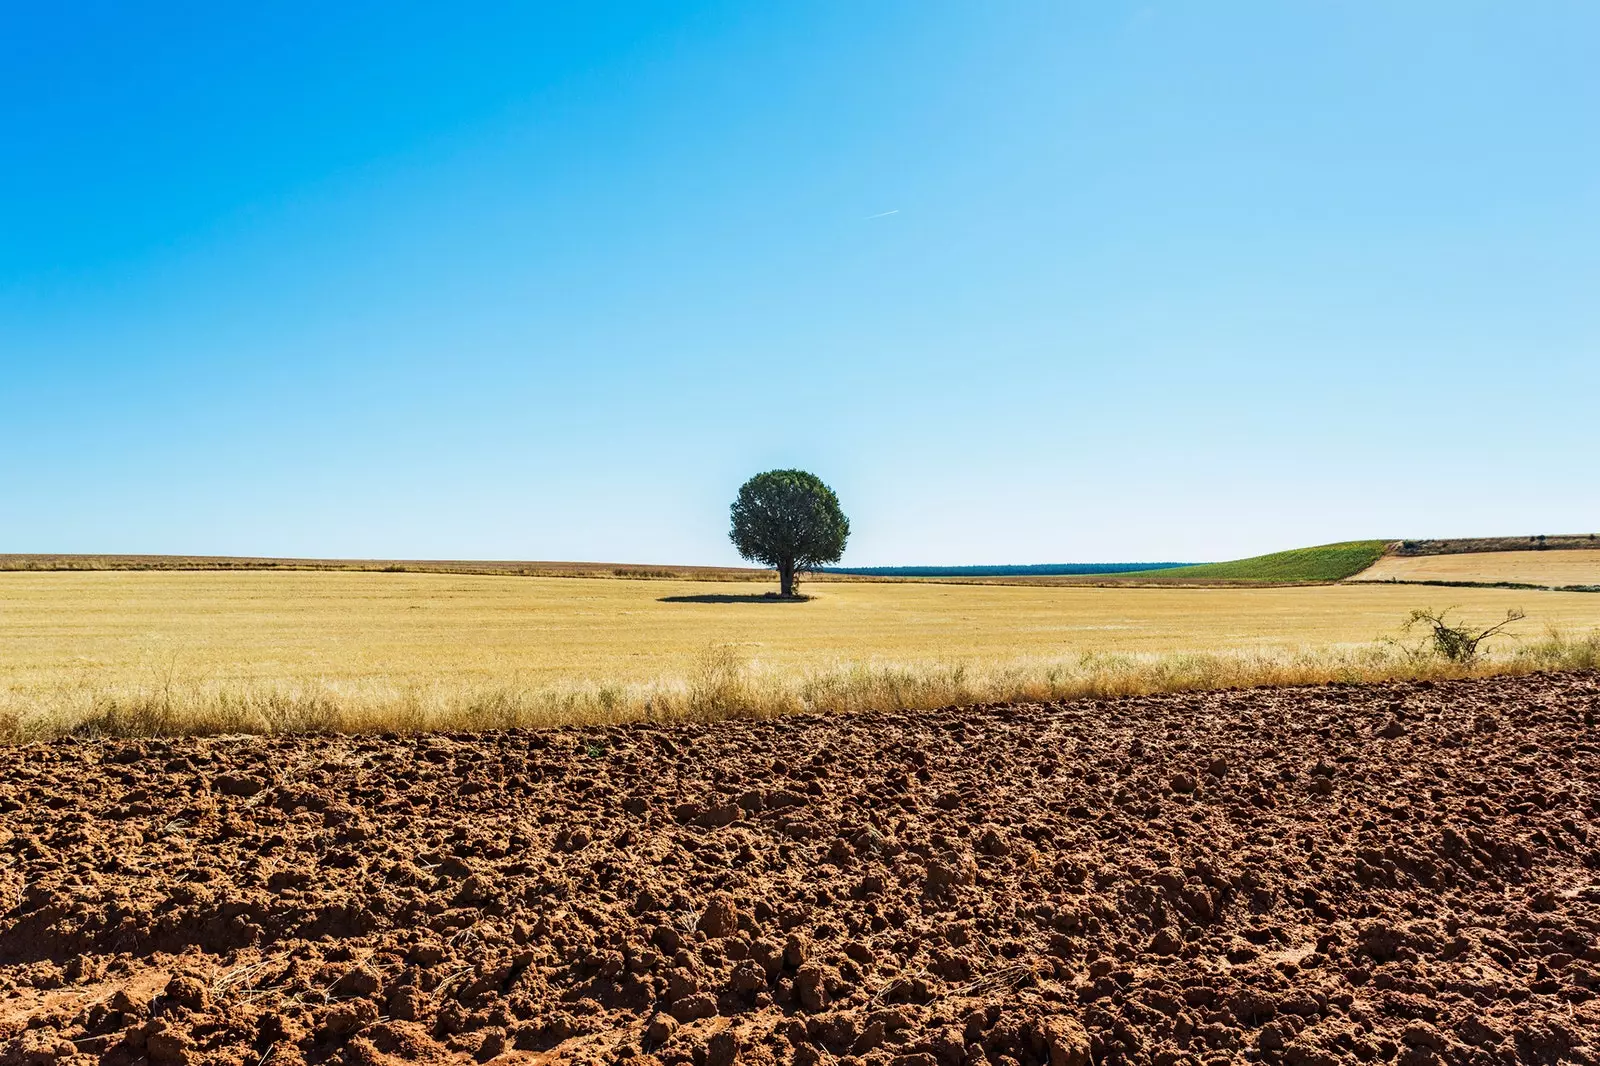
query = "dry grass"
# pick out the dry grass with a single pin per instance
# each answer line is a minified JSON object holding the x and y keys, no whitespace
{"x":153,"y":653}
{"x":1552,"y":568}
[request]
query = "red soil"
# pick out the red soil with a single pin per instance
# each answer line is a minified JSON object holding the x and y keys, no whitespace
{"x":1402,"y":873}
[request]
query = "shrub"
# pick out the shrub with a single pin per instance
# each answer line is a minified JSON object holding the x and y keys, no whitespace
{"x":1459,"y":642}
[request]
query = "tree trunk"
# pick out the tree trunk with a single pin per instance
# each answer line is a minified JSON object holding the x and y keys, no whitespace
{"x":786,"y":579}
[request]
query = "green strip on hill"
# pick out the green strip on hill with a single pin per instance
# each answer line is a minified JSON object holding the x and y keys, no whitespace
{"x":1327,"y":562}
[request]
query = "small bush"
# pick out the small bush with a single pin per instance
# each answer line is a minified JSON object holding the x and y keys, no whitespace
{"x":1458,"y":643}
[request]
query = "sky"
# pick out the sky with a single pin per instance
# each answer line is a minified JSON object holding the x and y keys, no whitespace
{"x":1023,"y":282}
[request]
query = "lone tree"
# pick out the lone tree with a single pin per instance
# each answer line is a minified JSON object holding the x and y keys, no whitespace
{"x":788,"y":520}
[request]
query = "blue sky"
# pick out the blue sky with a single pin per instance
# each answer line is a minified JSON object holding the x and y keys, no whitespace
{"x":1024,"y":282}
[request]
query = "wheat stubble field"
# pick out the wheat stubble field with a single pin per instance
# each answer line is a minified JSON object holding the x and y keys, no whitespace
{"x":1579,"y":566}
{"x":168,"y":652}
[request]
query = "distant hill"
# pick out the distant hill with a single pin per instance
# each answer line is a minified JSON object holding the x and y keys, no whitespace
{"x":1030,"y":570}
{"x":1322,"y":564}
{"x":1326,"y":562}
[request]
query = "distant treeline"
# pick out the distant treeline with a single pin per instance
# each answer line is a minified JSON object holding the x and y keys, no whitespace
{"x":1035,"y":570}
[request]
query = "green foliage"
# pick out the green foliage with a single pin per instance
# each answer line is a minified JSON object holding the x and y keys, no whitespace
{"x":1327,"y":562}
{"x":1457,"y":643}
{"x":788,"y":520}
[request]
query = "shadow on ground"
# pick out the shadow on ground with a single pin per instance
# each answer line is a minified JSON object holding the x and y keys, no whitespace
{"x":725,"y":597}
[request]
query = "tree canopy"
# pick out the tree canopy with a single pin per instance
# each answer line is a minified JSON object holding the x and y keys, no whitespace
{"x":788,"y":520}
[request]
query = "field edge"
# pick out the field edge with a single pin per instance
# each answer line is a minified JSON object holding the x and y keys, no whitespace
{"x":723,"y":688}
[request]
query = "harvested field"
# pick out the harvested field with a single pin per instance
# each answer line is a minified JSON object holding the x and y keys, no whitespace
{"x":253,"y":652}
{"x":1406,"y":872}
{"x":1577,"y":566}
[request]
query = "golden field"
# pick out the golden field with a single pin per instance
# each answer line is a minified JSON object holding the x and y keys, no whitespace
{"x":267,"y":651}
{"x":1579,"y":566}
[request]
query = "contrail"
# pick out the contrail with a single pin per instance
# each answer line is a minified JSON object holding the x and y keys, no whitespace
{"x":882,"y":214}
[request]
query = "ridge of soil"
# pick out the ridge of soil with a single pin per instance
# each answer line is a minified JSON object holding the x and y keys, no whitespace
{"x":1470,"y":545}
{"x":526,"y":568}
{"x":1405,"y":873}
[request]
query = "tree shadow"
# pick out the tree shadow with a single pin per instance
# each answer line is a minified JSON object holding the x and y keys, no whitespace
{"x":726,"y":597}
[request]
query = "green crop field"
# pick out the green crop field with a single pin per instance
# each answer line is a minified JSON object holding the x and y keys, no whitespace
{"x":1301,"y":566}
{"x":1326,"y":562}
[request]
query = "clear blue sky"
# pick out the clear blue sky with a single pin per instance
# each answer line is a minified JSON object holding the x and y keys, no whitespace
{"x":1023,"y":281}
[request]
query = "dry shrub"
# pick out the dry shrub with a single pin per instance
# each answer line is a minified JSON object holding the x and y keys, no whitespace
{"x":719,"y":684}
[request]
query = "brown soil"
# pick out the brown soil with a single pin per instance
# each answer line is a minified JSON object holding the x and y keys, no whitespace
{"x":1473,"y":545}
{"x":1402,"y":873}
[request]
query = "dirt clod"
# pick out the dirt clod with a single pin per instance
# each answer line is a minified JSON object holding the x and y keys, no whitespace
{"x":721,"y":918}
{"x":1067,"y":1042}
{"x":1205,"y":878}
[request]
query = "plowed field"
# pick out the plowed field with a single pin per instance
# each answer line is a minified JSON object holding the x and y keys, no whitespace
{"x":1402,"y":873}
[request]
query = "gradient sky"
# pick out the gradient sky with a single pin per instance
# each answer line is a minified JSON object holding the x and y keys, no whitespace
{"x":1024,"y":282}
